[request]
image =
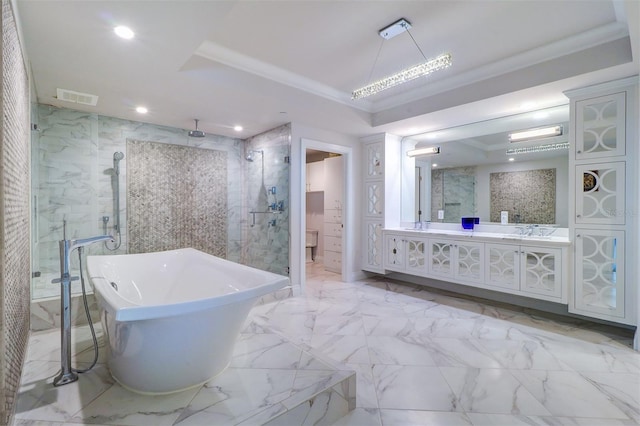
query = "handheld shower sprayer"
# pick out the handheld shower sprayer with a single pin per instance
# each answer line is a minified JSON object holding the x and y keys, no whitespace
{"x":117,"y":156}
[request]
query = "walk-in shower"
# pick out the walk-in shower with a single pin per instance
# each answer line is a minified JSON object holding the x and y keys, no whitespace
{"x":117,"y":157}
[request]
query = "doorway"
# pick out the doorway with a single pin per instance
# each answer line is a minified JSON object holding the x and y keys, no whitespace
{"x":326,"y":204}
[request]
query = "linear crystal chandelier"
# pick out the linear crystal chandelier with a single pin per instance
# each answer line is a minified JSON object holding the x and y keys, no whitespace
{"x":422,"y":69}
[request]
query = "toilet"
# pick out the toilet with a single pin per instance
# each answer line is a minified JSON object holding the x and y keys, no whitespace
{"x":311,"y":245}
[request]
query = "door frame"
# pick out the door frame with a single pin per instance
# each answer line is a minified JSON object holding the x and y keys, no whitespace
{"x":348,"y":243}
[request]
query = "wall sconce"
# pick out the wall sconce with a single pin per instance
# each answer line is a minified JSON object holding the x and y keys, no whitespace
{"x":424,"y":151}
{"x":543,"y":132}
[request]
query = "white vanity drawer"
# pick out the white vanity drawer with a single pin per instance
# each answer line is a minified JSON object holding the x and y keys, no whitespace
{"x":333,"y":261}
{"x":333,"y":230}
{"x":332,"y":216}
{"x":333,"y":243}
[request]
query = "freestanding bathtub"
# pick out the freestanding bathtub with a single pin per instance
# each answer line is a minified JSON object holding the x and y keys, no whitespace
{"x":171,"y":318}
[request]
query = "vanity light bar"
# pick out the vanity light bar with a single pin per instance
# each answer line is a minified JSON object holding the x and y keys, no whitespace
{"x":424,"y":151}
{"x":539,"y":148}
{"x":543,"y":132}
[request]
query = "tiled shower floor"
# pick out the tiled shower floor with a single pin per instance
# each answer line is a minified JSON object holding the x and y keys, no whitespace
{"x":421,"y":358}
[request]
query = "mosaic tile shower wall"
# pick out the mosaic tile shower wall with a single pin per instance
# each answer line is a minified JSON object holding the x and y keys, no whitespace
{"x":176,"y":198}
{"x":14,"y":250}
{"x":266,"y":245}
{"x":74,"y":154}
{"x":529,"y":196}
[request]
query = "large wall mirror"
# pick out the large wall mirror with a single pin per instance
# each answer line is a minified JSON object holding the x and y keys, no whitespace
{"x":480,"y":172}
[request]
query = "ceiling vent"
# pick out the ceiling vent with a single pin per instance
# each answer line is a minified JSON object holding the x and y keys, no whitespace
{"x":77,"y":97}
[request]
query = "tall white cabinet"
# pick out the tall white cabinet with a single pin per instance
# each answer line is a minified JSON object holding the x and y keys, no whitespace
{"x":333,"y":203}
{"x":381,"y":191}
{"x":603,"y":217}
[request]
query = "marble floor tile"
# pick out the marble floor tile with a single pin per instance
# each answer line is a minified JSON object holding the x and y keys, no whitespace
{"x":413,"y":388}
{"x":421,"y":357}
{"x":119,"y":406}
{"x":522,"y":355}
{"x":361,"y":417}
{"x":423,"y":418}
{"x":347,"y":325}
{"x":344,"y":349}
{"x":399,"y":350}
{"x":568,"y":394}
{"x":365,"y":387}
{"x":459,"y":353}
{"x":235,"y":393}
{"x":490,"y":391}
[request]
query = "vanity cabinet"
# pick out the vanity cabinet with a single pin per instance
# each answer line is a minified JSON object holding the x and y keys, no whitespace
{"x":602,"y":219}
{"x":405,"y":254}
{"x":456,"y":259}
{"x":534,"y":271}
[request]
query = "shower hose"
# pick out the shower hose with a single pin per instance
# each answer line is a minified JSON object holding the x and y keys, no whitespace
{"x":86,"y":310}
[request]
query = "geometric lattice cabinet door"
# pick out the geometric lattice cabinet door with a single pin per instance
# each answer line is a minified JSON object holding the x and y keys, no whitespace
{"x":600,"y":193}
{"x":600,"y":273}
{"x":600,"y":127}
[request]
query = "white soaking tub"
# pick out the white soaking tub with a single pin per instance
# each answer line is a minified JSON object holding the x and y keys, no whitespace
{"x":171,"y":318}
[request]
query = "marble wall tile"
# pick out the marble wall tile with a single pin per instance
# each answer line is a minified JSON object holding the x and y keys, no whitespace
{"x":74,"y":151}
{"x":266,"y":241}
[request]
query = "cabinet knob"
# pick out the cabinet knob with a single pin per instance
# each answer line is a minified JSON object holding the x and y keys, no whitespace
{"x":578,"y":152}
{"x":578,"y":216}
{"x":578,"y":236}
{"x":394,"y":251}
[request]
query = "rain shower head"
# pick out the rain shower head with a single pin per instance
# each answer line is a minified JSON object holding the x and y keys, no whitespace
{"x":196,"y":133}
{"x":250,"y":155}
{"x":117,"y":156}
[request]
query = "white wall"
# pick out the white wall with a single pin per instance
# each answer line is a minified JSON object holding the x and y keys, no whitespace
{"x":561,"y":164}
{"x":353,"y":183}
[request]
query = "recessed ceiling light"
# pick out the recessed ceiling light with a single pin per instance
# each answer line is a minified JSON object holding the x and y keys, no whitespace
{"x":141,"y":110}
{"x":124,"y":32}
{"x":511,"y":159}
{"x":237,"y":128}
{"x":434,"y":165}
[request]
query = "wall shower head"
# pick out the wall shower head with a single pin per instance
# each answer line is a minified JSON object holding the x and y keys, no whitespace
{"x":117,"y":156}
{"x":196,"y":133}
{"x":250,"y":155}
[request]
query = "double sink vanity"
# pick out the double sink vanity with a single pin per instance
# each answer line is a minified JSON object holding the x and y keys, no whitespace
{"x":569,"y":206}
{"x":527,"y":260}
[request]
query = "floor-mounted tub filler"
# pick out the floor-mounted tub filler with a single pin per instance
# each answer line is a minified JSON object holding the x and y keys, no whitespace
{"x":171,"y":318}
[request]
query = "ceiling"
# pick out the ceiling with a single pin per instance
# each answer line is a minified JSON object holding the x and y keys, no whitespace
{"x":260,"y":64}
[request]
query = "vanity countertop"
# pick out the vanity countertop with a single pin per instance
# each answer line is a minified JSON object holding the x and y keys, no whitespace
{"x":559,"y":240}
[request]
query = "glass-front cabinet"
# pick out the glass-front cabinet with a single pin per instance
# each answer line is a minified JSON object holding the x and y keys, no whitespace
{"x":457,"y":259}
{"x":605,"y":222}
{"x":600,"y":193}
{"x":600,"y":127}
{"x":529,"y":270}
{"x":600,"y":287}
